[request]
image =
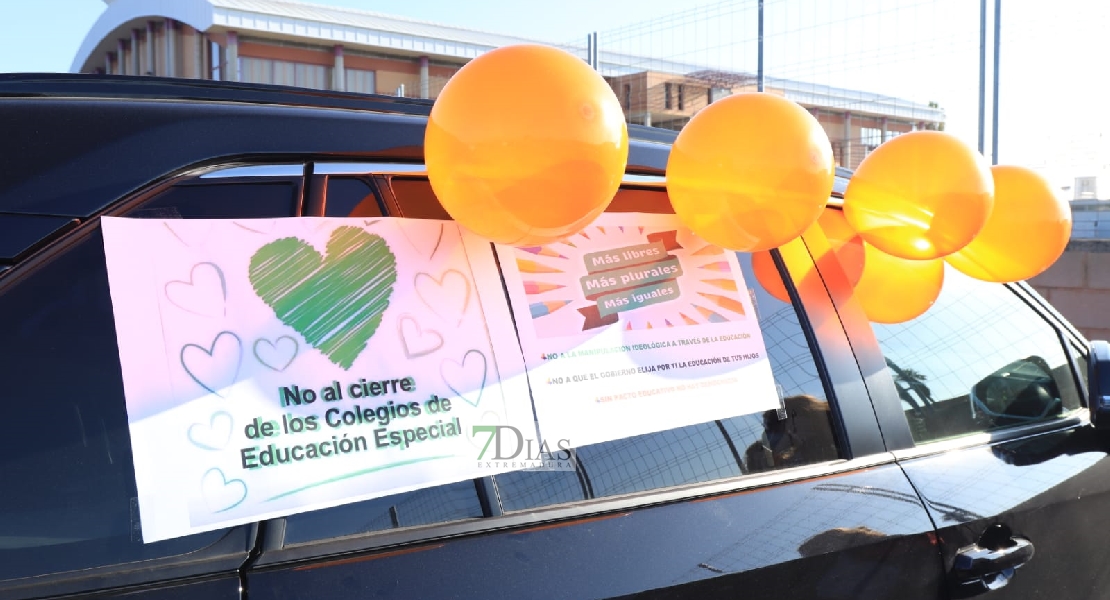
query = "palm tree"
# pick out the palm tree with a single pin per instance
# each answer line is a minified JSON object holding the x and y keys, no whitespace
{"x":909,"y":380}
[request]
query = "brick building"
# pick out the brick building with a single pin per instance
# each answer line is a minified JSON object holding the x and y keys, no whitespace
{"x":313,"y":46}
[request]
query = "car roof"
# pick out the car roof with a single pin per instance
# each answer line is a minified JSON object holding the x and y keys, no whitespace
{"x":124,"y":132}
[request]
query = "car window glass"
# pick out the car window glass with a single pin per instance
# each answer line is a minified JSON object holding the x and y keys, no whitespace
{"x":800,"y":434}
{"x":416,"y":199}
{"x":223,"y":199}
{"x":68,"y":498}
{"x":350,"y":197}
{"x":978,"y":360}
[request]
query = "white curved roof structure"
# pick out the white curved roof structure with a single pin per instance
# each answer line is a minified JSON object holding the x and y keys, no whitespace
{"x":284,"y":18}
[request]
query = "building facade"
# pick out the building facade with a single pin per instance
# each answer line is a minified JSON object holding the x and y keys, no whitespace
{"x":319,"y":47}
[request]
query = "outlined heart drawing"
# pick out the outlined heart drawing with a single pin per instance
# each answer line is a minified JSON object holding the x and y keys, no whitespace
{"x":415,"y":340}
{"x":314,"y":224}
{"x":466,"y":379}
{"x":257,"y":225}
{"x":220,"y":493}
{"x":448,"y":296}
{"x":334,"y":301}
{"x":217,"y":366}
{"x":215,"y":435}
{"x":424,"y":242}
{"x":490,"y":417}
{"x":191,"y":233}
{"x":205,"y":294}
{"x":276,"y":355}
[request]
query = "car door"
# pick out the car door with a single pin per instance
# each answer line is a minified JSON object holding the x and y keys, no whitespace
{"x":799,"y":503}
{"x":990,"y":384}
{"x":69,"y":517}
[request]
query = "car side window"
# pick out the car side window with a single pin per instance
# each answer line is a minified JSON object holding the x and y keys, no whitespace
{"x":980,"y":359}
{"x":800,"y":434}
{"x":69,"y":497}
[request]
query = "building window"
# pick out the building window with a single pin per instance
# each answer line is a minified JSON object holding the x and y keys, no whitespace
{"x":871,"y":137}
{"x":667,"y":96}
{"x":716,"y":94}
{"x":256,"y":70}
{"x":358,"y":80}
{"x":284,"y":73}
{"x":627,"y":96}
{"x":280,"y":72}
{"x":681,"y":93}
{"x":1085,"y":188}
{"x":317,"y":77}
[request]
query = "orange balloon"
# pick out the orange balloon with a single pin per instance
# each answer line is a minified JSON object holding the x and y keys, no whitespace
{"x":846,"y":244}
{"x":526,"y":145}
{"x":750,"y":172}
{"x":895,"y":290}
{"x":1027,"y":231}
{"x":767,"y":274}
{"x":921,"y":195}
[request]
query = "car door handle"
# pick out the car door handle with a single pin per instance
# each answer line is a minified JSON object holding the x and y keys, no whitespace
{"x":990,"y":563}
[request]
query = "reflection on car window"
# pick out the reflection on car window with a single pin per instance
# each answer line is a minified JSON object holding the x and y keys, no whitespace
{"x":800,"y":434}
{"x":980,"y":359}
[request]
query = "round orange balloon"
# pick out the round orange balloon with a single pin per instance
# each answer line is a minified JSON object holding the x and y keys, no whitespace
{"x":1027,"y":231}
{"x":921,"y":195}
{"x":750,"y":172}
{"x":895,"y":290}
{"x":526,"y":145}
{"x":846,"y":244}
{"x":767,"y":274}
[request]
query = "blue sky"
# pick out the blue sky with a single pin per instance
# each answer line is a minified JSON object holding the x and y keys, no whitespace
{"x":1052,"y":118}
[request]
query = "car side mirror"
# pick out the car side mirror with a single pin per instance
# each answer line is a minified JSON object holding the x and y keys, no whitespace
{"x":1098,"y":384}
{"x":1022,"y":391}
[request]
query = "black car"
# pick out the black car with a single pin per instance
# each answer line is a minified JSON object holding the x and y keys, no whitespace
{"x":948,"y":456}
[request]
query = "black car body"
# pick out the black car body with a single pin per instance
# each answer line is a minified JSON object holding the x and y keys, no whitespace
{"x":905,"y":464}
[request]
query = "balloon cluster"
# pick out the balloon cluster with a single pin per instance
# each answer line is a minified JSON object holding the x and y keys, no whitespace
{"x":527,"y":144}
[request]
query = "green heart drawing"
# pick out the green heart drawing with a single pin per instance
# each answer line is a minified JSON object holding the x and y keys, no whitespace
{"x":336,"y":302}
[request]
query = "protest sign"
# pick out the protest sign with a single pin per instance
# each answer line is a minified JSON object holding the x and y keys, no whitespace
{"x":635,"y":325}
{"x":283,"y":365}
